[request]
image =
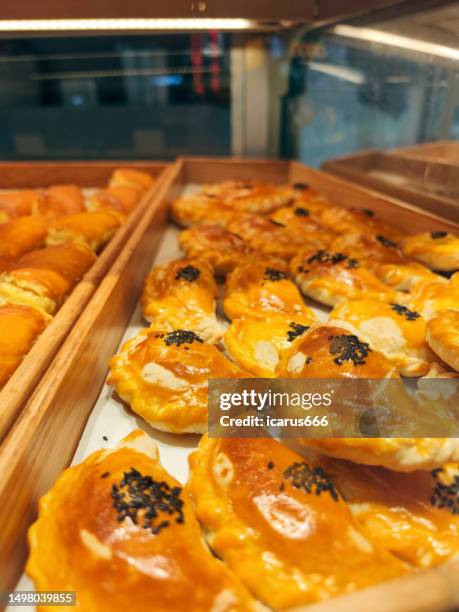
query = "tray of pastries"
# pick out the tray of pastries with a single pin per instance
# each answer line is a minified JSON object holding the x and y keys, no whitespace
{"x":61,"y":226}
{"x":111,"y":486}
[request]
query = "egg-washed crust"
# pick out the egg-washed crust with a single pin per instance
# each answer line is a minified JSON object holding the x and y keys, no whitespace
{"x":257,"y":345}
{"x":371,"y":250}
{"x":331,"y":278}
{"x":93,"y":229}
{"x":199,"y":209}
{"x":301,"y":224}
{"x":121,"y":198}
{"x":59,"y":201}
{"x":122,"y":533}
{"x":132,"y":178}
{"x":250,"y":196}
{"x":437,"y":250}
{"x":182,"y":294}
{"x":17,"y":203}
{"x":164,"y":375}
{"x":21,"y":235}
{"x":331,"y":351}
{"x":403,"y":277}
{"x":443,"y":336}
{"x":430,"y":298}
{"x":345,"y":220}
{"x":394,"y":330}
{"x":399,"y":454}
{"x":261,"y":288}
{"x":279,"y":523}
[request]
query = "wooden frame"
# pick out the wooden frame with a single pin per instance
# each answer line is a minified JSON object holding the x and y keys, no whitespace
{"x":428,"y":183}
{"x":43,"y":440}
{"x":85,"y":174}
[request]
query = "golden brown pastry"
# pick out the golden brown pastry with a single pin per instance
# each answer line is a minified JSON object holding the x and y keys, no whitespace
{"x":299,"y":223}
{"x":132,"y":178}
{"x":93,"y":229}
{"x":257,"y":345}
{"x":43,"y":278}
{"x":331,"y":278}
{"x":122,"y":533}
{"x":21,"y":235}
{"x":265,"y":236}
{"x":443,"y":336}
{"x":260,"y":288}
{"x":415,"y":515}
{"x":200,"y":208}
{"x":59,"y":201}
{"x":404,"y":276}
{"x":280,"y":524}
{"x":437,"y":250}
{"x":371,"y":250}
{"x":392,"y":329}
{"x":344,"y":220}
{"x":430,"y":298}
{"x":250,"y":196}
{"x":182,"y":294}
{"x":330,"y":351}
{"x":121,"y":198}
{"x":163,"y":376}
{"x":17,"y":203}
{"x":20,"y":326}
{"x":220,"y":248}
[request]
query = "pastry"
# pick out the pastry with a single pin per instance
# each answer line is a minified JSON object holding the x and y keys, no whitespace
{"x":436,"y":250}
{"x":59,"y":201}
{"x":163,"y":376}
{"x":443,"y":336}
{"x":280,"y":524}
{"x":220,"y":248}
{"x":20,"y":326}
{"x":404,"y":276}
{"x":199,"y":209}
{"x":132,"y":178}
{"x":299,"y":223}
{"x":392,"y":329}
{"x":257,"y":345}
{"x":265,"y":236}
{"x":122,"y":533}
{"x":121,"y":198}
{"x":414,"y":515}
{"x":260,"y":288}
{"x":93,"y":229}
{"x":43,"y":278}
{"x":430,"y":298}
{"x":21,"y":235}
{"x":330,"y":351}
{"x":182,"y":294}
{"x":361,"y":220}
{"x":371,"y":250}
{"x":331,"y":278}
{"x":250,"y":196}
{"x":17,"y":203}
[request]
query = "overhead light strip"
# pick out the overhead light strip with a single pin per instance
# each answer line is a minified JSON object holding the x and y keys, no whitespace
{"x":65,"y":25}
{"x":395,"y":40}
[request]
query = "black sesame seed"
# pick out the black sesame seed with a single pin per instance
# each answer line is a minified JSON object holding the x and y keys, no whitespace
{"x":437,"y":235}
{"x":327,"y":258}
{"x":348,"y":348}
{"x":296,"y":330}
{"x":188,"y":273}
{"x":445,"y":492}
{"x":105,"y":474}
{"x":404,"y":311}
{"x":182,"y":336}
{"x":270,"y":465}
{"x":310,"y":480}
{"x":105,"y":438}
{"x":274,"y":275}
{"x":301,"y":212}
{"x":300,"y":186}
{"x":390,"y":244}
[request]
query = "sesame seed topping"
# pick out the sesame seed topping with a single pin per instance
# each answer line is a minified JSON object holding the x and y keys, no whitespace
{"x":274,"y":275}
{"x":188,"y":273}
{"x":182,"y":336}
{"x":390,"y":244}
{"x":310,"y":480}
{"x":437,"y":235}
{"x":301,"y":212}
{"x":445,"y":494}
{"x":296,"y":330}
{"x":270,"y":465}
{"x":348,"y":348}
{"x":105,"y":474}
{"x":325,"y":257}
{"x":404,"y":311}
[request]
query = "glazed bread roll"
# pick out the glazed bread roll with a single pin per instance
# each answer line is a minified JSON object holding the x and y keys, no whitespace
{"x":250,"y":196}
{"x":298,"y":222}
{"x":164,"y":375}
{"x":17,"y":203}
{"x":121,"y":198}
{"x":280,"y":524}
{"x":443,"y":336}
{"x":20,"y":326}
{"x":437,"y":250}
{"x":122,"y":533}
{"x":182,"y":294}
{"x":132,"y":178}
{"x":358,"y":220}
{"x":59,"y":201}
{"x":199,"y":209}
{"x":431,"y":298}
{"x":93,"y":229}
{"x":21,"y":235}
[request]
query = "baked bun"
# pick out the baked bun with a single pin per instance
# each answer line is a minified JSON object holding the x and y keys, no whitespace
{"x":310,"y":200}
{"x":280,"y":524}
{"x":330,"y":351}
{"x":260,"y":288}
{"x":443,"y":336}
{"x":369,"y":249}
{"x":21,"y":235}
{"x":20,"y":326}
{"x":392,"y":329}
{"x":132,"y":178}
{"x":122,"y":533}
{"x":257,"y":345}
{"x":93,"y":229}
{"x":265,"y":236}
{"x":17,"y":203}
{"x":182,"y":294}
{"x":250,"y":196}
{"x":59,"y":201}
{"x":405,"y":276}
{"x":163,"y":376}
{"x":414,"y":515}
{"x":331,"y":278}
{"x":358,"y":220}
{"x":437,"y":250}
{"x":220,"y":248}
{"x":399,"y":454}
{"x":299,"y":223}
{"x":430,"y":298}
{"x":121,"y":198}
{"x":200,"y":208}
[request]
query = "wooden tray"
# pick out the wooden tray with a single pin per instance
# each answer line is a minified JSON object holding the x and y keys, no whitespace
{"x":428,"y":183}
{"x":440,"y":151}
{"x":85,"y":174}
{"x":43,"y":440}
